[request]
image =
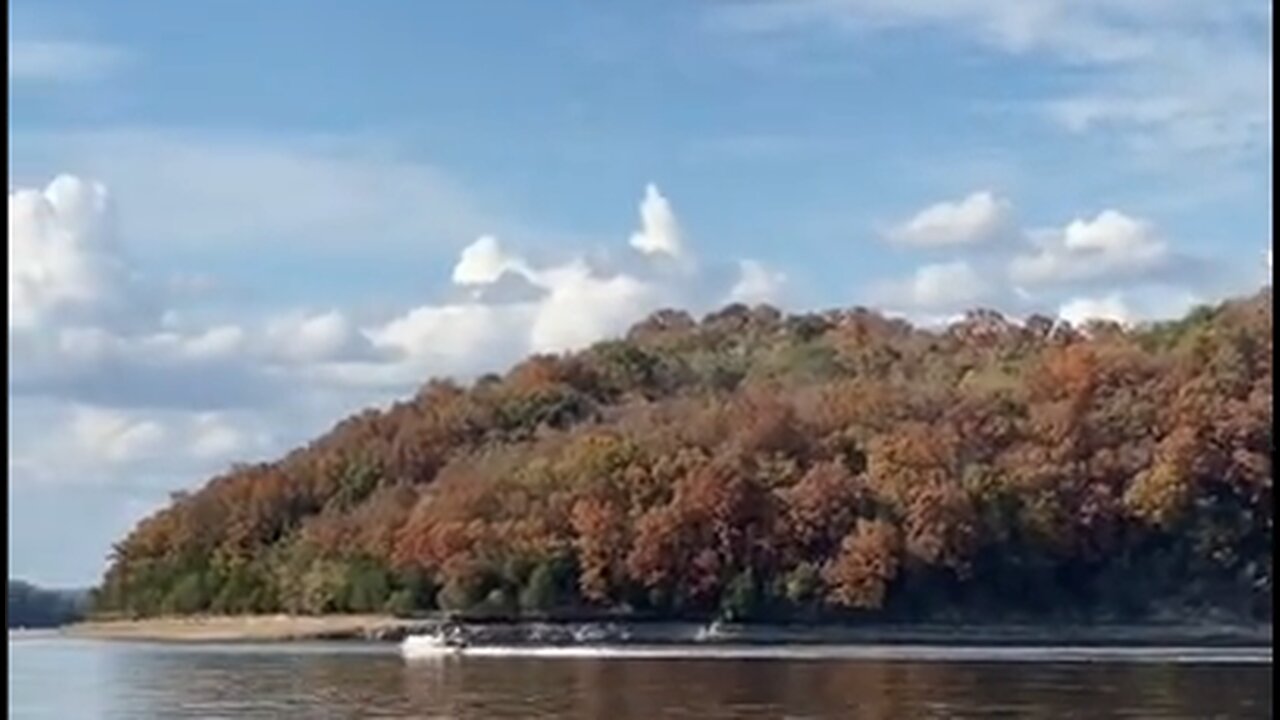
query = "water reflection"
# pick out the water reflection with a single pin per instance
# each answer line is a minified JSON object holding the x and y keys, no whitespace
{"x":625,"y":689}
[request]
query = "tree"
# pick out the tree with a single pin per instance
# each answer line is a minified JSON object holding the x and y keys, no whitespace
{"x":540,"y":593}
{"x":860,"y":574}
{"x":601,"y":542}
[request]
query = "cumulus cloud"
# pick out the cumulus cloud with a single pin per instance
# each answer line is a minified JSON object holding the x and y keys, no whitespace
{"x":1111,"y":245}
{"x":1070,"y":270}
{"x":62,"y":258}
{"x":1110,"y":307}
{"x":576,"y":307}
{"x":936,"y":287}
{"x":659,"y":232}
{"x":582,"y":307}
{"x":66,"y":268}
{"x":484,"y":261}
{"x":1129,"y":307}
{"x":303,"y":338}
{"x":757,"y":283}
{"x":979,"y":218}
{"x":444,"y":339}
{"x":517,"y":306}
{"x":1018,"y":270}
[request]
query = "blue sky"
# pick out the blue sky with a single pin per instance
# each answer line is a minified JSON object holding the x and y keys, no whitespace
{"x":236,"y":222}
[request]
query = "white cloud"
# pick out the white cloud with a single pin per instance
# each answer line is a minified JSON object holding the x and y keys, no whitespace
{"x":303,"y":338}
{"x":112,"y":436}
{"x":238,"y":193}
{"x":659,"y":232}
{"x":213,"y":437}
{"x":575,"y":305}
{"x":1129,"y":307}
{"x":484,"y":261}
{"x":1072,"y":270}
{"x":936,"y":287}
{"x":583,"y":307}
{"x":979,"y":218}
{"x":62,"y":259}
{"x":1112,"y":245}
{"x":757,"y":283}
{"x":74,"y":444}
{"x":1183,"y":75}
{"x":444,"y":339}
{"x":81,"y":326}
{"x":1111,"y":307}
{"x":62,"y":60}
{"x":165,"y":361}
{"x":560,"y":306}
{"x":1200,"y":95}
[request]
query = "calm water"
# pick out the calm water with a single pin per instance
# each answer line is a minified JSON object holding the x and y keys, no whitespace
{"x":52,"y":677}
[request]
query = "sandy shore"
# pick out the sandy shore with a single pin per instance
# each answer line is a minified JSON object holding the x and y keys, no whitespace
{"x":246,"y":628}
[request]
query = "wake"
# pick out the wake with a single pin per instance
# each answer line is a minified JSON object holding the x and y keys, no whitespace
{"x":426,"y":647}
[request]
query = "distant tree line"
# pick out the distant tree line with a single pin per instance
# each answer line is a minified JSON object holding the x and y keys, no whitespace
{"x":755,"y":465}
{"x":31,"y":607}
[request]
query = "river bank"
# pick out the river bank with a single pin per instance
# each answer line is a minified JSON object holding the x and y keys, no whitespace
{"x":280,"y":628}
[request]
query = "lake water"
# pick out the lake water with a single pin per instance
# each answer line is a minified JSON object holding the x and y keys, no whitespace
{"x":55,"y":677}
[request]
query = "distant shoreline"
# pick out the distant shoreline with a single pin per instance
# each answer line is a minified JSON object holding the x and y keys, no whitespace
{"x":285,"y":628}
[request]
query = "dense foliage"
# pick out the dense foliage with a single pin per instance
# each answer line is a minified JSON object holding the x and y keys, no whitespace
{"x":31,"y":607}
{"x":755,"y":465}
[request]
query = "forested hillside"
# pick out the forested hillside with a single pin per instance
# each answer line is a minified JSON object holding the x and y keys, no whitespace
{"x":756,"y":465}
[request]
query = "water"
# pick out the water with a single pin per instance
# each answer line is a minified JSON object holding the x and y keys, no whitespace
{"x":55,"y":677}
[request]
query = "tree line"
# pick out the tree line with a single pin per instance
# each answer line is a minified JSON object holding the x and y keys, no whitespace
{"x":29,"y":606}
{"x":754,"y":465}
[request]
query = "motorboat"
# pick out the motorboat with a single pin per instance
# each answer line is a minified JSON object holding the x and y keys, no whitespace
{"x":710,"y":632}
{"x":447,"y":642}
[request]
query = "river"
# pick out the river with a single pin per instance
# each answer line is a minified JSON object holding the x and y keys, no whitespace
{"x":56,"y":677}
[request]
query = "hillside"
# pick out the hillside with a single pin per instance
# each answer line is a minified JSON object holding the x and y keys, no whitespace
{"x":752,"y":465}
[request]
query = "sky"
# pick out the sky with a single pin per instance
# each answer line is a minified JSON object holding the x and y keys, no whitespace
{"x":231,"y":224}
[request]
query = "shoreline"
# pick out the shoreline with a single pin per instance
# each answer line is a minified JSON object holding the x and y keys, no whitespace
{"x":247,"y":628}
{"x":384,"y":628}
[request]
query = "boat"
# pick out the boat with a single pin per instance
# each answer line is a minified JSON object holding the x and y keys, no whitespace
{"x":446,"y":642}
{"x":711,"y":632}
{"x":590,"y":634}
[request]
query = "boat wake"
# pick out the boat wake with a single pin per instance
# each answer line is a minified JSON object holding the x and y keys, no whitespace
{"x":419,"y":648}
